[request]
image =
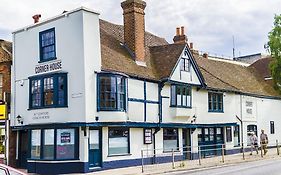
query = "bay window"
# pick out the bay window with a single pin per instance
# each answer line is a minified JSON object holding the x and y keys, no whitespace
{"x":180,"y":96}
{"x":112,"y":93}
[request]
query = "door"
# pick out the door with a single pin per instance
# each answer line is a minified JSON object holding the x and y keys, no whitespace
{"x":95,"y":148}
{"x":23,"y":149}
{"x":186,"y":144}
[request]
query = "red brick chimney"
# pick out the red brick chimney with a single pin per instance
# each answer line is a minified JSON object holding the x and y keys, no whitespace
{"x":180,"y":37}
{"x":134,"y":28}
{"x":36,"y":18}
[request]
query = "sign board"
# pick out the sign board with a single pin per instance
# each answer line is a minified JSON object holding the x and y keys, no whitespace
{"x":3,"y":111}
{"x":48,"y":67}
{"x":147,"y":136}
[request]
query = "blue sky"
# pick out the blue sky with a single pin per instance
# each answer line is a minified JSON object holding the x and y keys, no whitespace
{"x":210,"y":25}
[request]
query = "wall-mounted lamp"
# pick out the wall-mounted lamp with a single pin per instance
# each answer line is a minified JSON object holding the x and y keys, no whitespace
{"x":19,"y":119}
{"x":193,"y":120}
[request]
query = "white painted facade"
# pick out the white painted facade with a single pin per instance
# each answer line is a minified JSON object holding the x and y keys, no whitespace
{"x":78,"y":48}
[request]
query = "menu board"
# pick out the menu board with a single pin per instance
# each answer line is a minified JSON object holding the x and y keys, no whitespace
{"x":147,"y":136}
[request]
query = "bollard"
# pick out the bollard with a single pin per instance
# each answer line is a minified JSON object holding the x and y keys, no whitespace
{"x":243,"y":151}
{"x":199,"y":155}
{"x":277,"y":146}
{"x":142,"y":162}
{"x":222,"y":153}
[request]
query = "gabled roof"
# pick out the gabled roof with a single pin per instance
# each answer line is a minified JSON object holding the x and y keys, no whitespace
{"x":166,"y":57}
{"x":162,"y":57}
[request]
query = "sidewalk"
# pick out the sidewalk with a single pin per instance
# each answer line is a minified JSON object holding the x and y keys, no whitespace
{"x":189,"y":164}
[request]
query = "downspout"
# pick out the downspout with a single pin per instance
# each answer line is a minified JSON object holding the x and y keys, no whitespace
{"x":157,"y":129}
{"x":241,"y":114}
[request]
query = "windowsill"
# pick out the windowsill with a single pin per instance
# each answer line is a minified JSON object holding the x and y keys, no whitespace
{"x":216,"y":111}
{"x":111,"y":110}
{"x":49,"y":59}
{"x":52,"y":159}
{"x":171,"y":151}
{"x":47,"y":107}
{"x":119,"y":155}
{"x":188,"y":107}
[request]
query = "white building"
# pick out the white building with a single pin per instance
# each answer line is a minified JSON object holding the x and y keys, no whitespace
{"x":89,"y":95}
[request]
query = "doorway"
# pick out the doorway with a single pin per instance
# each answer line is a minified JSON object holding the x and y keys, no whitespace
{"x":95,"y":151}
{"x":23,"y":149}
{"x":186,"y":143}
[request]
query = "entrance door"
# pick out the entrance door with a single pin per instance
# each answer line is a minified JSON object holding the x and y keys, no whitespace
{"x":95,"y":148}
{"x":186,"y":144}
{"x":23,"y":149}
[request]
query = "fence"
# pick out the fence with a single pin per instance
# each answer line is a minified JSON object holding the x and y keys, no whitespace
{"x":203,"y":155}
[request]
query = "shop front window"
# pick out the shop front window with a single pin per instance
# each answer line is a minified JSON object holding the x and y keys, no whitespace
{"x":57,"y":144}
{"x":118,"y":143}
{"x":35,"y":144}
{"x":170,"y":139}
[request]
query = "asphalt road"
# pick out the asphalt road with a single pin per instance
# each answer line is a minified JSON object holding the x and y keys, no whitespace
{"x":263,"y":167}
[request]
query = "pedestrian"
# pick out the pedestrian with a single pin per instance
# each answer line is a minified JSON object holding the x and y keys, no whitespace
{"x":263,"y":141}
{"x":254,"y":143}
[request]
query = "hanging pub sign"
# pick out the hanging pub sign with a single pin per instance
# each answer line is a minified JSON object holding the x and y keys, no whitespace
{"x":48,"y":67}
{"x":147,"y":135}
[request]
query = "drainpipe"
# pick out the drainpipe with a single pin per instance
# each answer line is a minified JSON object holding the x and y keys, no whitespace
{"x":160,"y":87}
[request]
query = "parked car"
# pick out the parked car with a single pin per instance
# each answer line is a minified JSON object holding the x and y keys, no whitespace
{"x":7,"y":170}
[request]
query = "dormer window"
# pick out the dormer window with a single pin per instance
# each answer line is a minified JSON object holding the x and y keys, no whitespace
{"x":185,"y":65}
{"x":47,"y":45}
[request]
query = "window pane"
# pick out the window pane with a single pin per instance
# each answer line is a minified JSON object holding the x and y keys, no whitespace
{"x":170,"y":139}
{"x":178,"y":92}
{"x":48,"y":147}
{"x":94,"y":139}
{"x":47,"y":44}
{"x":65,"y":144}
{"x":121,"y":93}
{"x":1,"y":86}
{"x":35,"y":93}
{"x":108,"y":92}
{"x":48,"y":91}
{"x":118,"y":141}
{"x":228,"y":134}
{"x":173,"y":95}
{"x":35,"y":144}
{"x":61,"y":90}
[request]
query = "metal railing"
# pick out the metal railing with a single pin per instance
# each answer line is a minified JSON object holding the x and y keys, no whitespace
{"x":196,"y":156}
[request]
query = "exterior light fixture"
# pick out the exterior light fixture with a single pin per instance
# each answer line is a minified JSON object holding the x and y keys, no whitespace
{"x":19,"y":119}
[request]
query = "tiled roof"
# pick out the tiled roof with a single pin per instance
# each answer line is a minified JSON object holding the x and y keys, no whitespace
{"x":5,"y":51}
{"x":115,"y":57}
{"x":233,"y":77}
{"x":165,"y":58}
{"x":262,"y":66}
{"x":162,"y":57}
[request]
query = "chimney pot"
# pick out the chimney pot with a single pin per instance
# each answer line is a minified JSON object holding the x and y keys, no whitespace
{"x":178,"y":31}
{"x":191,"y":45}
{"x":182,"y":30}
{"x":36,"y":18}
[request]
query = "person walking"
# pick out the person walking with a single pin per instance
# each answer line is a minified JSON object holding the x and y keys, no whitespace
{"x":263,"y":141}
{"x":254,"y":143}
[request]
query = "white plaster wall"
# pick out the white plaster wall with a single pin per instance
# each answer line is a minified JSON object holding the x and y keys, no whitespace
{"x":136,"y":111}
{"x":67,"y":29}
{"x":152,"y":113}
{"x":92,"y":62}
{"x":151,"y":91}
{"x":135,"y":89}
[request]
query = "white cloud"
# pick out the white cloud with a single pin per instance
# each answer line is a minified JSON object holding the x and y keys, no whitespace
{"x":209,"y":24}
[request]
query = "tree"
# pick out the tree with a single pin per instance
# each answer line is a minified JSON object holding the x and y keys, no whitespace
{"x":274,"y":44}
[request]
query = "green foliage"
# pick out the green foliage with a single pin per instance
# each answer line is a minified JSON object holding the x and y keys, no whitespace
{"x":275,"y":49}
